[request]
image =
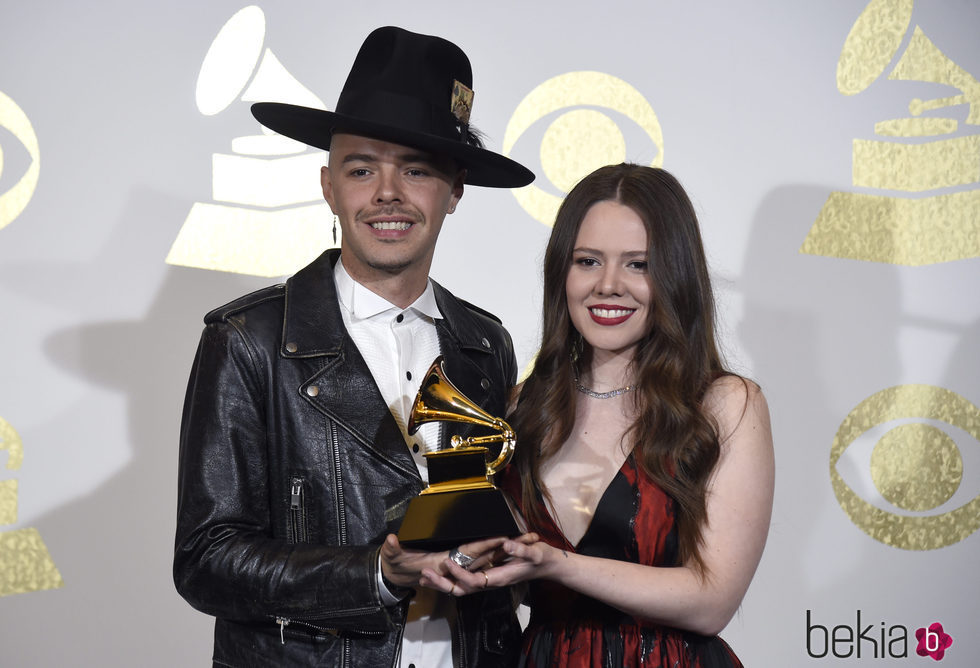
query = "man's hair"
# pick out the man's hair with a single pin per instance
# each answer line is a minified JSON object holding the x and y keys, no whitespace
{"x":474,"y":137}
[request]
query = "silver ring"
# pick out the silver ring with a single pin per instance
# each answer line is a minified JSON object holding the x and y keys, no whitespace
{"x":462,"y":560}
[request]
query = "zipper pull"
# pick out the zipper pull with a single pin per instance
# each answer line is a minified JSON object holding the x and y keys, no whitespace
{"x":294,"y":494}
{"x":283,"y":623}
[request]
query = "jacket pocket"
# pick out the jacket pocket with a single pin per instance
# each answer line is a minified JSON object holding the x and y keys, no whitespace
{"x":296,"y":525}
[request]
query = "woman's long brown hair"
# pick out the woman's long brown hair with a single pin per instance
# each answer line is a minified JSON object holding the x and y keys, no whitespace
{"x":673,"y":441}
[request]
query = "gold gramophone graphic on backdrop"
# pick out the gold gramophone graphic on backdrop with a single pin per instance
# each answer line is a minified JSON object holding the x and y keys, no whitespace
{"x":937,"y":218}
{"x":25,"y":563}
{"x":461,"y":503}
{"x":268,"y":217}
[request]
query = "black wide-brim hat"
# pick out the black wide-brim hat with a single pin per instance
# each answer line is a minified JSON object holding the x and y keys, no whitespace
{"x":409,"y":89}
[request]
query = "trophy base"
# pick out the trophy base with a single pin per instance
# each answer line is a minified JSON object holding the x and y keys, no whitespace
{"x":443,"y":520}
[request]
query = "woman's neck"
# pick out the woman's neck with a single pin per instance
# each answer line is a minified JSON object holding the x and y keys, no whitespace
{"x":608,"y":371}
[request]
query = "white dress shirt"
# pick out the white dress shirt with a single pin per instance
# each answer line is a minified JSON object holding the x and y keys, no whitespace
{"x":399,"y":345}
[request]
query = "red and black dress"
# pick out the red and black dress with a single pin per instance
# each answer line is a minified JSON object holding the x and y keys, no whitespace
{"x":634,"y":521}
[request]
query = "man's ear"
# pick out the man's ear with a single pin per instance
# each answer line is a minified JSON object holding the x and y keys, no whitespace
{"x":327,"y":185}
{"x":457,"y":190}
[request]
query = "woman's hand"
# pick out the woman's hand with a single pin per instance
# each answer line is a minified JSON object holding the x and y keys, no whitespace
{"x":403,"y":566}
{"x":501,"y":563}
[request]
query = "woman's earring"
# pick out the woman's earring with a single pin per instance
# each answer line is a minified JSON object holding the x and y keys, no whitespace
{"x":577,"y":347}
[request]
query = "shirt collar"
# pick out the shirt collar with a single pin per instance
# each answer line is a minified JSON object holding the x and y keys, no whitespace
{"x":362,"y":303}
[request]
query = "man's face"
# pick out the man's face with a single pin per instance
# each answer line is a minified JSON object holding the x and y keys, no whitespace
{"x":391,"y":201}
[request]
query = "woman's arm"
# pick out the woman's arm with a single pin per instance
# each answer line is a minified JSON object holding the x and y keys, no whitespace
{"x":739,"y":505}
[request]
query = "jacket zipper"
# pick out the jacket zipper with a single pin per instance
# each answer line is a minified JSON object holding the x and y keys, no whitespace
{"x":339,"y":486}
{"x":460,"y":639}
{"x":283,"y":622}
{"x":458,"y":647}
{"x":341,"y":518}
{"x":297,"y":511}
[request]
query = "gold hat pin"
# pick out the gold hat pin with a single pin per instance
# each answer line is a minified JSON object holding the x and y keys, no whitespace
{"x":462,"y":102}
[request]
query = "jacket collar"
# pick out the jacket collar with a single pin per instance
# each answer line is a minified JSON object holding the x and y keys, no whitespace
{"x":312,"y":324}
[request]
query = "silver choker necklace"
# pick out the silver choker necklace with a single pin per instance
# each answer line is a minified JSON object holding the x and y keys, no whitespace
{"x":603,"y":395}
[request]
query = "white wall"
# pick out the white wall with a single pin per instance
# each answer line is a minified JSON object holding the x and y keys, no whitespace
{"x":98,"y":330}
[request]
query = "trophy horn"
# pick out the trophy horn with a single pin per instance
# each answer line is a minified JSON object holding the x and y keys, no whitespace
{"x":438,"y":400}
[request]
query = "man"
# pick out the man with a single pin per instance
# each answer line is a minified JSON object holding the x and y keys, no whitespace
{"x":295,"y":463}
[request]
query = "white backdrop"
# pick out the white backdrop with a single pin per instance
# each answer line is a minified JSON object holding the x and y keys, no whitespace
{"x":107,"y":147}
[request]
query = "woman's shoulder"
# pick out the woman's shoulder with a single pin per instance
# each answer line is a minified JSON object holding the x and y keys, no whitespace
{"x":735,"y":402}
{"x":732,"y":388}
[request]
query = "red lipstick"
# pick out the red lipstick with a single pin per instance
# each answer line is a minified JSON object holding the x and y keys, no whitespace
{"x":609,"y":315}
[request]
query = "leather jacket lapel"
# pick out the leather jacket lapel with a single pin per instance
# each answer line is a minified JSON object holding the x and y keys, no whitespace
{"x":468,"y":354}
{"x":345,"y":391}
{"x":343,"y":388}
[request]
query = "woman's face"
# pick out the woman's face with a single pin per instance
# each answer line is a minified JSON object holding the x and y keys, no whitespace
{"x":608,"y":286}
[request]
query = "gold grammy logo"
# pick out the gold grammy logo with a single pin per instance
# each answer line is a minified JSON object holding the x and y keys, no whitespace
{"x":907,"y":229}
{"x":25,"y":563}
{"x":15,"y":200}
{"x":268,"y":217}
{"x":580,"y":138}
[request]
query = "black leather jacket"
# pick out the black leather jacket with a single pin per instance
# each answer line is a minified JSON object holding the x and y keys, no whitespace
{"x":292,"y":471}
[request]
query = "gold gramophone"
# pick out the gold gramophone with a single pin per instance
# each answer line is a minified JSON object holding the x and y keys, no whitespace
{"x":461,"y":503}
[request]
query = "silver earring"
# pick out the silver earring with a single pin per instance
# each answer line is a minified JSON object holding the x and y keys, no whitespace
{"x":335,"y":230}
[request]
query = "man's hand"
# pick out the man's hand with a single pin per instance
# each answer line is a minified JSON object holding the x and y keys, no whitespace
{"x":403,"y":567}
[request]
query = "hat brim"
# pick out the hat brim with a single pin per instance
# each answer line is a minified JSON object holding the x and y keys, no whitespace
{"x":315,"y":127}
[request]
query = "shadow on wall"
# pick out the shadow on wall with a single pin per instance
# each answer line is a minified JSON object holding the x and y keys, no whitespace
{"x":114,"y":546}
{"x":817,"y":330}
{"x":824,"y":334}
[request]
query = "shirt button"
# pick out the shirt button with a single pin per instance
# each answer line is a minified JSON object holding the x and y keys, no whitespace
{"x":400,"y":317}
{"x":313,"y":390}
{"x":486,"y":344}
{"x":408,"y":374}
{"x":485,"y":384}
{"x":291,"y":348}
{"x":415,"y":447}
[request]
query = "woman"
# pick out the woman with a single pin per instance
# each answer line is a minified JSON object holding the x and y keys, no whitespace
{"x":645,"y":467}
